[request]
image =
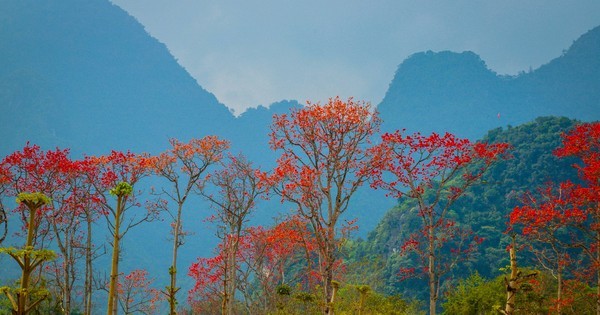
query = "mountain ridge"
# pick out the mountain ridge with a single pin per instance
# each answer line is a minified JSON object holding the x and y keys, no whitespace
{"x":457,"y":92}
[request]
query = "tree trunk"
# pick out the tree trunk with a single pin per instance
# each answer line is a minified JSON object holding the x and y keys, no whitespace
{"x":559,"y":290}
{"x":67,"y":276}
{"x":114,"y":272}
{"x":173,"y":269}
{"x":598,"y":262}
{"x":87,"y":303}
{"x":329,"y":258}
{"x":431,"y":271}
{"x":512,"y":286}
{"x":23,"y":295}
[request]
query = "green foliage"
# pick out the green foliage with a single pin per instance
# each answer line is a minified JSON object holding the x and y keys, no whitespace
{"x":36,"y":198}
{"x":348,"y":299}
{"x":284,"y":289}
{"x":122,"y":189}
{"x":477,"y":295}
{"x":29,"y":251}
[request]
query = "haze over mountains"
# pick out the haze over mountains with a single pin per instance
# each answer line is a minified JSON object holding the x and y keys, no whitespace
{"x":86,"y":75}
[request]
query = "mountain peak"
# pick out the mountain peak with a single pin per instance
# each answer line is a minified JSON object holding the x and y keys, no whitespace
{"x":456,"y":92}
{"x":103,"y":75}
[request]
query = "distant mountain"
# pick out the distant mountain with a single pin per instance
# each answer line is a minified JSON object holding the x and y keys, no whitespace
{"x":86,"y":75}
{"x":456,"y":92}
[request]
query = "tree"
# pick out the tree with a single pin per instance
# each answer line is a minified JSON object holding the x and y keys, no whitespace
{"x":541,"y":222}
{"x":183,"y":166}
{"x":574,"y":207}
{"x":24,"y":299}
{"x":35,"y":177}
{"x":567,"y":217}
{"x":265,"y":254}
{"x":118,"y":174}
{"x":90,"y":203}
{"x":136,"y":294}
{"x":237,"y":192}
{"x":433,"y":170}
{"x":323,"y":162}
{"x":583,"y":142}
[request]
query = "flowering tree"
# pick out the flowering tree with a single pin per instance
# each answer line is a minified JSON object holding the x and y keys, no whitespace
{"x":542,"y":220}
{"x":136,"y":294}
{"x":571,"y":208}
{"x":261,"y":259}
{"x":183,"y":166}
{"x":63,"y":218}
{"x":323,"y":162}
{"x":209,"y":282}
{"x":264,"y":256}
{"x":583,"y":142}
{"x":433,"y":170}
{"x":237,"y":191}
{"x":118,"y":173}
{"x":34,"y":177}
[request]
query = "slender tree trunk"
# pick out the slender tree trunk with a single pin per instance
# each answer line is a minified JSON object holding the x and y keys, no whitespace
{"x":512,"y":287}
{"x":559,"y":290}
{"x":114,"y":272}
{"x":431,"y":271}
{"x":231,"y":276}
{"x":25,"y":275}
{"x":329,"y":262}
{"x":173,"y":269}
{"x":67,"y":274}
{"x":225,"y":291}
{"x":598,"y":263}
{"x":87,"y":303}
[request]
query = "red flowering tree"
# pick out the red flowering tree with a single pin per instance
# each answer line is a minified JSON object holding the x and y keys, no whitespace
{"x":65,"y":225}
{"x":323,"y":162}
{"x":136,"y":294}
{"x":434,"y":171}
{"x":542,"y":222}
{"x":209,"y":283}
{"x":33,"y":176}
{"x":583,"y":142}
{"x":264,"y":256}
{"x":237,"y":190}
{"x":571,"y":207}
{"x":118,"y":174}
{"x":182,"y":166}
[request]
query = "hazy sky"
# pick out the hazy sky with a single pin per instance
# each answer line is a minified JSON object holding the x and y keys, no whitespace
{"x":251,"y":53}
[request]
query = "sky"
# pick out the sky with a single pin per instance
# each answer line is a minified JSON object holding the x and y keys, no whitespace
{"x":249,"y":53}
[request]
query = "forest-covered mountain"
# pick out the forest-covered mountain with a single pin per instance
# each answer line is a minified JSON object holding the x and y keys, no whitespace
{"x":456,"y":92}
{"x":483,"y":209}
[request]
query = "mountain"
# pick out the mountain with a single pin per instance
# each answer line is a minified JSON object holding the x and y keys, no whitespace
{"x":86,"y":75}
{"x":456,"y":92}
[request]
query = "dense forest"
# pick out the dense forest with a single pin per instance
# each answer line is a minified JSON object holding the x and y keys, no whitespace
{"x":506,"y":224}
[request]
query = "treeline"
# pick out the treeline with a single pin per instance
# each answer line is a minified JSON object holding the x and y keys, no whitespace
{"x":306,"y":262}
